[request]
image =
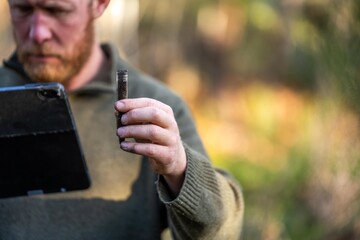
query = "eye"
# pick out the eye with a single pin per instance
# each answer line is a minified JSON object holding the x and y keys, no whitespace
{"x":57,"y":11}
{"x":22,"y":10}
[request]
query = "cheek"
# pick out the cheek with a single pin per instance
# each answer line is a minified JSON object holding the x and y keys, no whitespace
{"x":20,"y":30}
{"x":67,"y":39}
{"x":70,"y":36}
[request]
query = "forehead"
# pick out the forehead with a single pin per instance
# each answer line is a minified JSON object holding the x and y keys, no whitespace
{"x":45,"y":2}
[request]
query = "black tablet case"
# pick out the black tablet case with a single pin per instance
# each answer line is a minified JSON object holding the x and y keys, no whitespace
{"x":40,"y":151}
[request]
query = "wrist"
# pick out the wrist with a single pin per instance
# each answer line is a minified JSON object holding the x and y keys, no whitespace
{"x":176,"y":179}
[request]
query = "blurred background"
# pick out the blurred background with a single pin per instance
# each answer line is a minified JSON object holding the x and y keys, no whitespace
{"x":274,"y":86}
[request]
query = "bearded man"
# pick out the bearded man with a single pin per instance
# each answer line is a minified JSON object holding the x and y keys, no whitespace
{"x":55,"y":42}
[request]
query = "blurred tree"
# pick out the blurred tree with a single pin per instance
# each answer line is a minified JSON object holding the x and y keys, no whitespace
{"x":338,"y":48}
{"x":6,"y":43}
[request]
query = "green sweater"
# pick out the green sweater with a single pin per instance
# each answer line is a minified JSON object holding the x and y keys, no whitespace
{"x":126,"y":199}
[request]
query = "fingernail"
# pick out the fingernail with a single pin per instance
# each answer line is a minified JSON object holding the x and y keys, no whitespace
{"x":124,"y":145}
{"x":120,"y":132}
{"x":119,"y":105}
{"x":124,"y":119}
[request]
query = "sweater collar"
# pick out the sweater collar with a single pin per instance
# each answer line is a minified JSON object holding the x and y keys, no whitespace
{"x":13,"y":63}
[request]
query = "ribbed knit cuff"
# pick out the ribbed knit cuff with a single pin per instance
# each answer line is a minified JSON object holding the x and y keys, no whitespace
{"x":199,"y":178}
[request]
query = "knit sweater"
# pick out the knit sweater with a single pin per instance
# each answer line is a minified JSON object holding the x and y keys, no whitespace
{"x":126,"y":200}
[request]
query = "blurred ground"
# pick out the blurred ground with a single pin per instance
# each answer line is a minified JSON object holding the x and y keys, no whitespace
{"x":274,"y":88}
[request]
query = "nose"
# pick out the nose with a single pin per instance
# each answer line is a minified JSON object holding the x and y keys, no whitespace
{"x":39,"y":29}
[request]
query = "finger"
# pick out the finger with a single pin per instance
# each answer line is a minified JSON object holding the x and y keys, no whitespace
{"x":128,"y":104}
{"x":164,"y":158}
{"x":148,"y":115}
{"x":151,"y":133}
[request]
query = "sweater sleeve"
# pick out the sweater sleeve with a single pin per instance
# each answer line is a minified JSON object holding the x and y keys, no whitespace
{"x":210,"y":203}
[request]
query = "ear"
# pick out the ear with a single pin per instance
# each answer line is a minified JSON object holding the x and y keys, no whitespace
{"x":98,"y":7}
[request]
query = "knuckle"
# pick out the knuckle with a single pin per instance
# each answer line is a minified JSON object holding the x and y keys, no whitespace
{"x":153,"y":133}
{"x":129,"y":131}
{"x":151,"y":151}
{"x":156,"y":114}
{"x":173,"y":140}
{"x":123,"y":131}
{"x":131,"y":114}
{"x":169,"y":109}
{"x":173,"y":125}
{"x":131,"y":148}
{"x":149,"y":102}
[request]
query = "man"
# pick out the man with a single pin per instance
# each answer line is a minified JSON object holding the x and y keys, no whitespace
{"x":55,"y":43}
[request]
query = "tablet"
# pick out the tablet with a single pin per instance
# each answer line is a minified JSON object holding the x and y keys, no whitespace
{"x":40,"y":151}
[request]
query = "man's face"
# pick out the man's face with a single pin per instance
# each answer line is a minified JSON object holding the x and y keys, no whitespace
{"x":53,"y":37}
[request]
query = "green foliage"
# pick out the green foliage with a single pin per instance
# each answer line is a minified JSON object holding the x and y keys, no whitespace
{"x":275,"y":195}
{"x":340,"y":65}
{"x":301,"y":71}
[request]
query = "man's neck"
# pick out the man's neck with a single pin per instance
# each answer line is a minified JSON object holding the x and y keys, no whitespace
{"x":89,"y":70}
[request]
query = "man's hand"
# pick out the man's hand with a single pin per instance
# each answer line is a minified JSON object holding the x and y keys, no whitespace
{"x":153,"y":126}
